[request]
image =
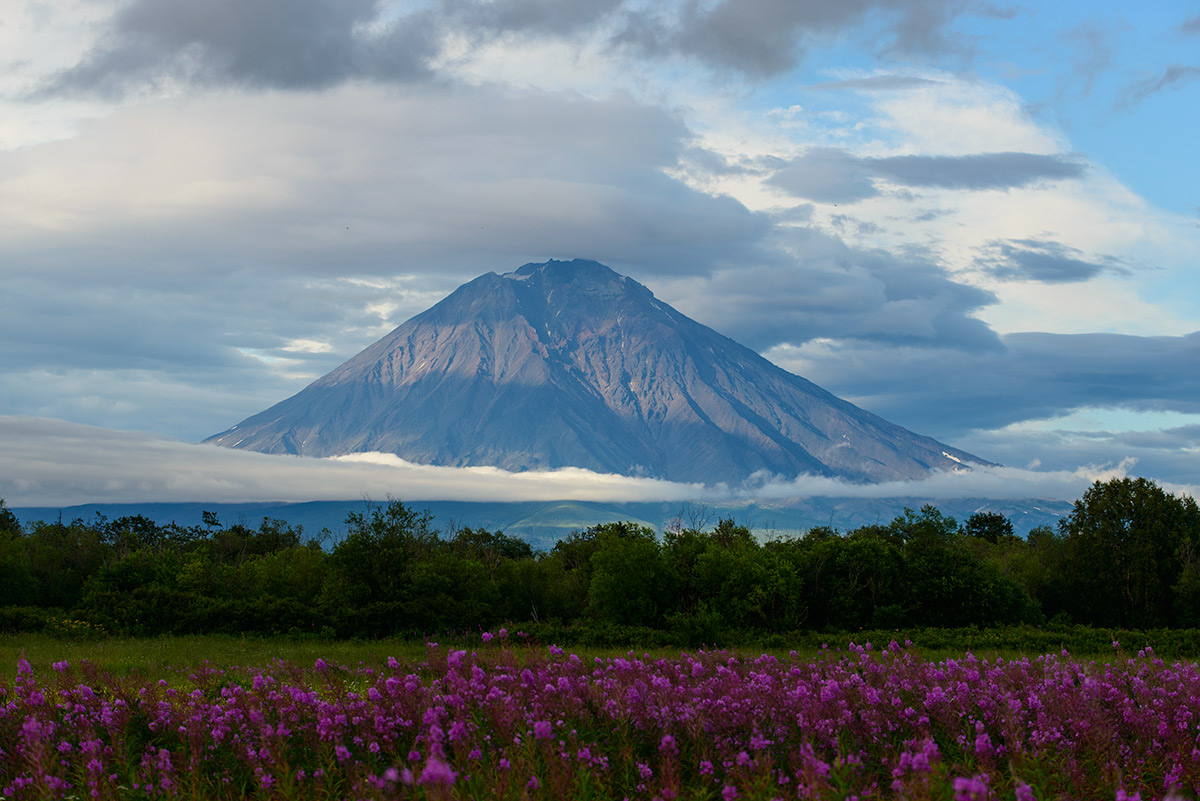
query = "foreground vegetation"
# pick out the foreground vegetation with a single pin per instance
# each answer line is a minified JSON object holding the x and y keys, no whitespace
{"x":527,"y":722}
{"x":1128,"y":555}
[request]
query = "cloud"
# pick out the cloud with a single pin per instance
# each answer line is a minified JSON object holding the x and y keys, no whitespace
{"x":530,"y":17}
{"x":354,"y":179}
{"x":995,"y":483}
{"x":53,"y":463}
{"x":156,"y":46}
{"x":284,"y":44}
{"x":819,"y":287}
{"x":1190,"y":26}
{"x":245,"y":223}
{"x":1167,"y":455}
{"x":763,"y":38}
{"x":1095,"y":55}
{"x":875,"y":83}
{"x":1173,"y":77}
{"x":947,"y":393}
{"x":1041,"y":260}
{"x":977,"y":172}
{"x":826,"y":175}
{"x":833,"y":175}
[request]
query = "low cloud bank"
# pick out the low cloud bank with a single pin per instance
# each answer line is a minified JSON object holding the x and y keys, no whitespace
{"x":55,"y":463}
{"x":47,"y":462}
{"x":994,"y":483}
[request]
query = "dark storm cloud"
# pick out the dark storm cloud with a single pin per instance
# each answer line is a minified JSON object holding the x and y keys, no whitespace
{"x":1172,"y":78}
{"x":832,"y":175}
{"x":946,"y":392}
{"x":1042,"y":260}
{"x":285,"y":44}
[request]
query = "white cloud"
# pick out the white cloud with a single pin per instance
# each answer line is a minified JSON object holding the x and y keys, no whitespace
{"x":994,"y":483}
{"x":49,"y":462}
{"x":943,"y":116}
{"x":955,"y":117}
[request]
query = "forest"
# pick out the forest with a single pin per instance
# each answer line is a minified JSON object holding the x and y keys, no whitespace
{"x":1127,"y":556}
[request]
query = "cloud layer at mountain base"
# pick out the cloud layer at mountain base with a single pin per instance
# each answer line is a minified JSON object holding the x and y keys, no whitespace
{"x":53,"y":463}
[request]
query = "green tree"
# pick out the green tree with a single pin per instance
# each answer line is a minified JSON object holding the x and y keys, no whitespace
{"x":16,"y":582}
{"x":845,"y":581}
{"x":62,"y":557}
{"x":991,"y":527}
{"x":928,"y":525}
{"x":9,"y":524}
{"x":1127,"y":540}
{"x":369,"y":581}
{"x":632,"y":583}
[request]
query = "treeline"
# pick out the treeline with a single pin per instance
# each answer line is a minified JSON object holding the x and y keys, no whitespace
{"x":1127,"y":556}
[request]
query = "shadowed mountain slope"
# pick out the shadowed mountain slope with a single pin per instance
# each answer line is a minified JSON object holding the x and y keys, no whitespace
{"x":570,"y":364}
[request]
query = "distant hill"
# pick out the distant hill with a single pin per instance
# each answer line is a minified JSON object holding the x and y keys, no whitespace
{"x":570,"y":364}
{"x":542,"y":523}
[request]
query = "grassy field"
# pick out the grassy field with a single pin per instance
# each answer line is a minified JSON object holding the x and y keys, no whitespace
{"x":157,"y":657}
{"x":165,"y":657}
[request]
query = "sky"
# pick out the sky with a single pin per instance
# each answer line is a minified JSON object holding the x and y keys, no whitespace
{"x":979,"y":220}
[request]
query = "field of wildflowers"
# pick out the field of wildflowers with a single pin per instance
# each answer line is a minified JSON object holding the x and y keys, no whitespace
{"x":523,"y":722}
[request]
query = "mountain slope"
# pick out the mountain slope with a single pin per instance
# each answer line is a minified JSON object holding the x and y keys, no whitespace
{"x":570,"y":364}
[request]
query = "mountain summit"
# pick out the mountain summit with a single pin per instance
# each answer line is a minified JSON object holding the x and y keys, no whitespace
{"x":571,"y":364}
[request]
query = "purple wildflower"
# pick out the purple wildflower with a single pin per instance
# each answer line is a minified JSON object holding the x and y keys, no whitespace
{"x":437,"y":771}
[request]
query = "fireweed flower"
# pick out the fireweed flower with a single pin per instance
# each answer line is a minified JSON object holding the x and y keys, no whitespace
{"x":860,"y":722}
{"x":437,"y":771}
{"x":972,"y":789}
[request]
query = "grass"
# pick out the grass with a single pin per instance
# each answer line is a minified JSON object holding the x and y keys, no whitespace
{"x":161,"y":656}
{"x":164,"y":657}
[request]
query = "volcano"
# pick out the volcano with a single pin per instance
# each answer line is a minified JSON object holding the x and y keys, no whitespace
{"x":569,"y":364}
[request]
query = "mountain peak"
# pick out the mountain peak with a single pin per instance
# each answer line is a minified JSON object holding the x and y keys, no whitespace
{"x":565,"y":270}
{"x":568,"y":363}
